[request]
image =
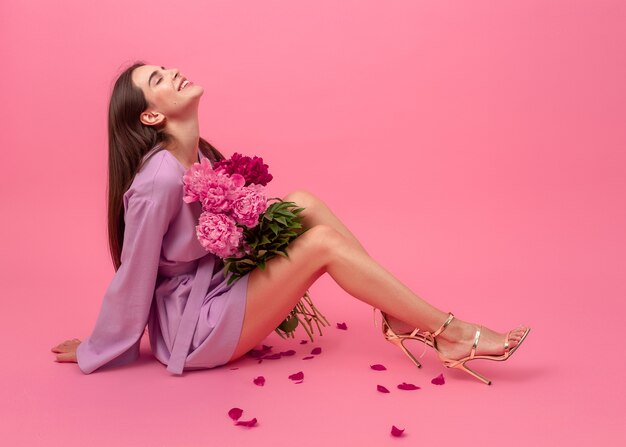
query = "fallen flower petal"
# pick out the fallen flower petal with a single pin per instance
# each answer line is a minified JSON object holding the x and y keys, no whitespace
{"x":309,"y":357}
{"x":304,"y":342}
{"x":287,"y":353}
{"x":378,"y":367}
{"x":271,"y":356}
{"x":249,"y":423}
{"x":235,"y":413}
{"x":259,"y":352}
{"x":395,"y":431}
{"x":439,"y":380}
{"x":408,"y":386}
{"x":259,"y":381}
{"x":297,"y":376}
{"x":316,"y":351}
{"x":342,"y":326}
{"x":382,"y":389}
{"x":300,"y":381}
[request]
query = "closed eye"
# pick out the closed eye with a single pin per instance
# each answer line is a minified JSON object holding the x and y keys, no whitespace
{"x":162,"y":68}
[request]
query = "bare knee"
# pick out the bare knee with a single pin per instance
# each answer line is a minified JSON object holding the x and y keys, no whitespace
{"x":325,"y":242}
{"x":303,"y":198}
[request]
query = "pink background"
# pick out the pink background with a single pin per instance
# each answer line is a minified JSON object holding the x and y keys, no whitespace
{"x":475,"y":148}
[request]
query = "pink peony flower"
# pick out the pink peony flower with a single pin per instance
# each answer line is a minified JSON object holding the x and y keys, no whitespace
{"x":196,"y":180}
{"x":252,"y":169}
{"x":219,"y":234}
{"x":248,"y":203}
{"x":221,"y":191}
{"x":215,"y":190}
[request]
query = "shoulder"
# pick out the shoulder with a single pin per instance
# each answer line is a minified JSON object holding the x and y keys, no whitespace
{"x":159,"y":181}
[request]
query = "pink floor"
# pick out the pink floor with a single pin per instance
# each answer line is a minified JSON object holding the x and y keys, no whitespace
{"x":476,"y":149}
{"x":565,"y":382}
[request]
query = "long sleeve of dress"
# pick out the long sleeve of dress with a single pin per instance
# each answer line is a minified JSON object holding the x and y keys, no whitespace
{"x":127,"y":302}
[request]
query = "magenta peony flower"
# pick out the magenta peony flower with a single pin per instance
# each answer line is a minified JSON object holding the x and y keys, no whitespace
{"x":248,"y":203}
{"x":219,"y":234}
{"x":252,"y":169}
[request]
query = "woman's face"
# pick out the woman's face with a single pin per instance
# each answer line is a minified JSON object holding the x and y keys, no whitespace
{"x":166,"y":98}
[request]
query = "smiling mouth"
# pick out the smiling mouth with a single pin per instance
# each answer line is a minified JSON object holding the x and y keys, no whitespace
{"x":186,"y":83}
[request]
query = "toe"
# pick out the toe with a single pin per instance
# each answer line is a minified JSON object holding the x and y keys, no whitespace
{"x":514,"y":338}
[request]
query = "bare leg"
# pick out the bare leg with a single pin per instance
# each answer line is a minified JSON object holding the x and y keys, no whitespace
{"x":316,"y":212}
{"x":273,"y":292}
{"x":457,"y":337}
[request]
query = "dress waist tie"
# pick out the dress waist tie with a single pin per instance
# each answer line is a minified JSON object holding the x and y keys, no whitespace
{"x":189,"y":320}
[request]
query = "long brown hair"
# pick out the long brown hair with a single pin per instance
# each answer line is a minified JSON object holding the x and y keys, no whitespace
{"x":129,"y":141}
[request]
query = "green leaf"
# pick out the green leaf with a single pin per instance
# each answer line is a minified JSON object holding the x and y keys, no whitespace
{"x":285,"y":213}
{"x":281,"y":219}
{"x":274,"y":228}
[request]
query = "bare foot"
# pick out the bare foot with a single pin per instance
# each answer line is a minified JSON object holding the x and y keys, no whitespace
{"x":457,"y":343}
{"x":399,"y":326}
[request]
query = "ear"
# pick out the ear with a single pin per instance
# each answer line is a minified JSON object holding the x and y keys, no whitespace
{"x":151,"y":118}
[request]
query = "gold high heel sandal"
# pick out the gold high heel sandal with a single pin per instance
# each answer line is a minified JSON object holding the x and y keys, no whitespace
{"x":460,"y":363}
{"x":398,"y":339}
{"x":428,"y":339}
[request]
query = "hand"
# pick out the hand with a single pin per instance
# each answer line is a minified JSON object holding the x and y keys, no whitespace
{"x":66,"y":350}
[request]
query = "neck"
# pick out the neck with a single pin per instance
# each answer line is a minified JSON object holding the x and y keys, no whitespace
{"x":185,"y":140}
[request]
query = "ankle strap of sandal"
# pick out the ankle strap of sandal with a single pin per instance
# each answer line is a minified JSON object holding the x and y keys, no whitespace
{"x":443,"y":326}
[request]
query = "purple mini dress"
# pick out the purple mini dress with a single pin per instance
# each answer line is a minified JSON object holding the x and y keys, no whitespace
{"x":160,"y":258}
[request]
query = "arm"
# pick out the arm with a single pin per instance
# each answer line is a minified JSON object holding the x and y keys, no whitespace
{"x":126,"y":304}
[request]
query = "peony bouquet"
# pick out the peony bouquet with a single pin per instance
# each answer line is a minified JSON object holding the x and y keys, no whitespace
{"x":239,"y":225}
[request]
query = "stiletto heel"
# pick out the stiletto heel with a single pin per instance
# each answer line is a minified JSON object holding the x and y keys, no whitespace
{"x":464,"y":367}
{"x":400,"y":343}
{"x":398,"y":339}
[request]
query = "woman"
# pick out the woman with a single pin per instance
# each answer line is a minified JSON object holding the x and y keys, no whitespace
{"x":153,"y":138}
